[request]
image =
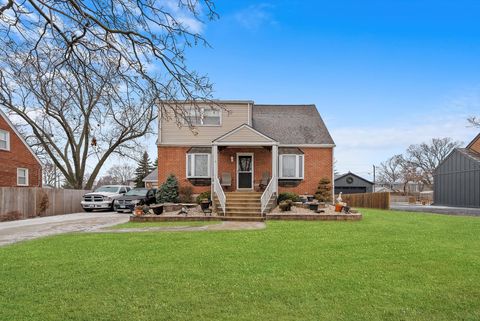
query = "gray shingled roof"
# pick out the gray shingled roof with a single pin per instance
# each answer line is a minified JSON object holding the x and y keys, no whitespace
{"x":152,"y":177}
{"x":291,"y":124}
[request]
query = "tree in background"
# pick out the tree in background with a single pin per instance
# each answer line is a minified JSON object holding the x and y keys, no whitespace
{"x":417,"y":164}
{"x":106,"y":180}
{"x":144,"y":168}
{"x":122,"y":173}
{"x":474,"y":121}
{"x":424,"y":158}
{"x":155,"y":163}
{"x":87,"y":78}
{"x":168,"y":192}
{"x":50,"y":175}
{"x":390,"y":172}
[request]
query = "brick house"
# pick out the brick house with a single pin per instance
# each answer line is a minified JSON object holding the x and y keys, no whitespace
{"x":244,"y":147}
{"x":19,"y":166}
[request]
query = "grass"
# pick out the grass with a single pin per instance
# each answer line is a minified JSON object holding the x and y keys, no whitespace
{"x":164,"y":224}
{"x":390,"y":266}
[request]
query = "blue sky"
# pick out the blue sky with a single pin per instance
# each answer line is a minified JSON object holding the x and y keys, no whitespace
{"x":383,"y":74}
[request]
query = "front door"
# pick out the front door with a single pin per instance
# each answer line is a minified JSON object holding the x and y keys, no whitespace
{"x":244,"y":171}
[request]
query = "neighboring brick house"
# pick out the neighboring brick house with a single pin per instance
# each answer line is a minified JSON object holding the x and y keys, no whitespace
{"x":247,"y":147}
{"x":19,"y":166}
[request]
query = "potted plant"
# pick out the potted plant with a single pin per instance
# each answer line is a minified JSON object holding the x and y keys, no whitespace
{"x":285,"y":205}
{"x":338,"y":207}
{"x":313,"y":206}
{"x":138,"y":211}
{"x":205,"y":204}
{"x":157,"y":209}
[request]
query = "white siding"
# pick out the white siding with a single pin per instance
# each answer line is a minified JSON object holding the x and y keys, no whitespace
{"x":235,"y":115}
{"x":244,"y":135}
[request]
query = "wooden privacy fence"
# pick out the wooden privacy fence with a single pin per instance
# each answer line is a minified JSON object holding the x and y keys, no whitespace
{"x":368,"y":200}
{"x":26,"y":202}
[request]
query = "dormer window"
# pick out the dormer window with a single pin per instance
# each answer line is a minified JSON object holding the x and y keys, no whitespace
{"x":4,"y":140}
{"x":204,"y":117}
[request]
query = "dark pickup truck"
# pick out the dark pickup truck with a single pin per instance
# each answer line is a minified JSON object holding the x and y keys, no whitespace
{"x":137,"y":196}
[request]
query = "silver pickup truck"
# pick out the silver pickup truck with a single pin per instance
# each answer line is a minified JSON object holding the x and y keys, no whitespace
{"x":103,"y":198}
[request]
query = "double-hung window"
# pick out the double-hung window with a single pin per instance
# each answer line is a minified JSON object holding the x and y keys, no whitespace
{"x":198,"y":165}
{"x":4,"y":140}
{"x":204,"y":117}
{"x":291,"y":166}
{"x":22,"y":177}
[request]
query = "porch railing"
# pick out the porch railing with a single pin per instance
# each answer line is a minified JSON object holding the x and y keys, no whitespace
{"x":267,"y":194}
{"x":217,"y":188}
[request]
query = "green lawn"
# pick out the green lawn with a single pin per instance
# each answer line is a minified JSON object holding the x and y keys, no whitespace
{"x":390,"y":266}
{"x":163,"y":224}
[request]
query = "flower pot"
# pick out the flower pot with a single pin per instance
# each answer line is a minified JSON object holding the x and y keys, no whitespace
{"x":338,"y":208}
{"x":138,"y":211}
{"x":205,"y":205}
{"x":157,"y":209}
{"x":313,"y":206}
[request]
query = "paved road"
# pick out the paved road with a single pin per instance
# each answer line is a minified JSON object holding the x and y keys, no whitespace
{"x":436,"y":209}
{"x":16,"y":231}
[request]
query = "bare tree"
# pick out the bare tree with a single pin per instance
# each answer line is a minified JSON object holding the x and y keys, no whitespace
{"x":77,"y":114}
{"x":474,"y":121}
{"x":390,"y":172}
{"x":86,"y":77}
{"x":51,"y":175}
{"x":422,"y":159}
{"x":107,"y":180}
{"x":122,"y":173}
{"x":146,"y":37}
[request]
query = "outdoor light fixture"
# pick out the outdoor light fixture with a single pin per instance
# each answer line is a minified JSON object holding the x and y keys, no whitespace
{"x":231,"y":158}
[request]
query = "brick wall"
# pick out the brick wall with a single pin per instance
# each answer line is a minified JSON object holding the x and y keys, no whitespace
{"x":318,"y":164}
{"x":172,"y":160}
{"x":19,"y":156}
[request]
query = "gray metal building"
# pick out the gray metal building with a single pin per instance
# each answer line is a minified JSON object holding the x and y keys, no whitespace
{"x":457,"y":179}
{"x":351,"y":183}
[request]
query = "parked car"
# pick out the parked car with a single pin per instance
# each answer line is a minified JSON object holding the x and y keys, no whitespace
{"x":137,"y":196}
{"x":103,"y":197}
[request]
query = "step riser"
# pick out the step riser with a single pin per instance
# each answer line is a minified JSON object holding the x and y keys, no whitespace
{"x":242,"y":206}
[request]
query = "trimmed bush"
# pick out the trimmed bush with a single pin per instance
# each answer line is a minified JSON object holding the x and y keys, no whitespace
{"x":324,"y":191}
{"x":204,"y":196}
{"x":285,"y":205}
{"x":288,"y":196}
{"x":185,"y":194}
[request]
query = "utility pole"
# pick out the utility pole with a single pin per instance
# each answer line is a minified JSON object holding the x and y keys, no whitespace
{"x":374,"y":177}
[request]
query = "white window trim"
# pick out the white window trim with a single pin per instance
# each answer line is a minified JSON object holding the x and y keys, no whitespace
{"x":8,"y":140}
{"x":192,"y":169}
{"x":202,"y":110}
{"x":26,"y":176}
{"x":297,"y":167}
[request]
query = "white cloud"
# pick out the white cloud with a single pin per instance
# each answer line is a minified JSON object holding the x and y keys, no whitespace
{"x":360,"y":147}
{"x":255,"y":16}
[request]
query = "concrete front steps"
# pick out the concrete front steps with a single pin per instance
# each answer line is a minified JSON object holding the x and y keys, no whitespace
{"x":242,"y":206}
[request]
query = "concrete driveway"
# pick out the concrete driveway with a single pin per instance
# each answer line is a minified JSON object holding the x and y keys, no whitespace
{"x":16,"y":231}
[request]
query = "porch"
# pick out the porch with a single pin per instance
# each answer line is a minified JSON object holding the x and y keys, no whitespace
{"x":244,"y":172}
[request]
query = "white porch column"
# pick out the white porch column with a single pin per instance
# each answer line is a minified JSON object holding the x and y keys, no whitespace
{"x":275,"y":167}
{"x":215,"y":162}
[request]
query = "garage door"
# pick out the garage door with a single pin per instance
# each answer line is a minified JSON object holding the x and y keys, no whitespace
{"x":350,"y":189}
